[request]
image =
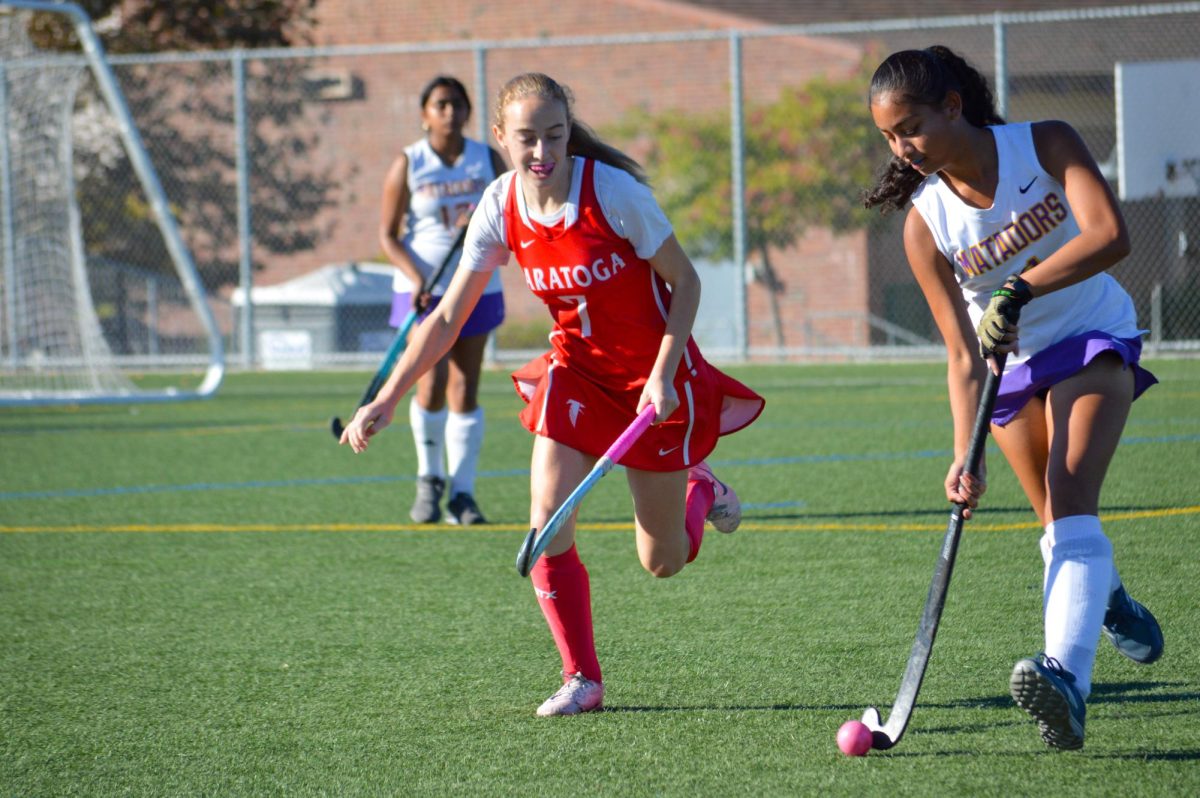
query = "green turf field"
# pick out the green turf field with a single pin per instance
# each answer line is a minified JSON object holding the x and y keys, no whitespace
{"x":214,"y":599}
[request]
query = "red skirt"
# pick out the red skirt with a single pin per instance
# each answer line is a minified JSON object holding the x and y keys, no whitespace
{"x":568,"y":407}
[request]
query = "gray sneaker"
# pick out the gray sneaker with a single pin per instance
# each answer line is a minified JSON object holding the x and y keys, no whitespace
{"x":577,"y":695}
{"x":726,"y":512}
{"x":1132,"y":628}
{"x":426,"y":509}
{"x":1043,"y":689}
{"x":462,"y":510}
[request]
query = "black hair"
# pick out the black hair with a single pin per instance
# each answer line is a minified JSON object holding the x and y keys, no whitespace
{"x":583,"y":140}
{"x":924,"y":77}
{"x":447,"y":82}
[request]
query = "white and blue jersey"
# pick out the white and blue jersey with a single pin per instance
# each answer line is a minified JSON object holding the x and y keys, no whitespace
{"x":438,"y":195}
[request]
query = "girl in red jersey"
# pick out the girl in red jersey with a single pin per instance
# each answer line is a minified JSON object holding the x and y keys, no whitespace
{"x":594,"y":245}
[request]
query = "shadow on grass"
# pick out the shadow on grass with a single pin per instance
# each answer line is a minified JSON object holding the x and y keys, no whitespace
{"x":1142,"y":692}
{"x":1137,"y":756}
{"x":1139,"y":692}
{"x":1154,"y":756}
{"x":1115,"y":693}
{"x":1121,"y":692}
{"x":1128,"y":693}
{"x":739,"y":708}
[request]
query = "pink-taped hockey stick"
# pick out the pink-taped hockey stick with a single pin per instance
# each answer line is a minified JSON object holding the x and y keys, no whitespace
{"x":536,"y":542}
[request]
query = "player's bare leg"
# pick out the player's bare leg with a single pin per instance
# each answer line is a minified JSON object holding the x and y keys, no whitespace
{"x":1025,"y":442}
{"x":466,"y":363}
{"x":1082,"y":418}
{"x":659,"y":515}
{"x":555,"y":469}
{"x":1087,"y":414}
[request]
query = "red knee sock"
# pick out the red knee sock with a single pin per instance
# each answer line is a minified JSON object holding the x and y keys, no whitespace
{"x":700,"y":497}
{"x":564,"y":594}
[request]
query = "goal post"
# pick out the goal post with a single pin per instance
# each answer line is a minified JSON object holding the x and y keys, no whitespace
{"x":55,"y":346}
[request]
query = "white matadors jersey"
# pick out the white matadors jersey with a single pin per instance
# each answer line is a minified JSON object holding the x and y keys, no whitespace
{"x":438,"y":194}
{"x":1029,"y":220}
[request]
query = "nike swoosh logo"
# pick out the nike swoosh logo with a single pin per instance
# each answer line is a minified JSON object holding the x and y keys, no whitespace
{"x":1029,"y":185}
{"x":665,"y":452}
{"x":528,"y":244}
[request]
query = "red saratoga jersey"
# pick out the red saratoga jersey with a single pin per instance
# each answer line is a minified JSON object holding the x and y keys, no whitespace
{"x":609,"y":306}
{"x":610,"y":309}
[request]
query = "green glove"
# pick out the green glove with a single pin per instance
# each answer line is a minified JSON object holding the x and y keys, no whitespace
{"x":1003,"y":309}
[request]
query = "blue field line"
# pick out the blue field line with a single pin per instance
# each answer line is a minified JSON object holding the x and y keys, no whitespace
{"x":793,"y":505}
{"x":807,"y":459}
{"x":1160,"y":439}
{"x":78,"y":493}
{"x":206,"y":486}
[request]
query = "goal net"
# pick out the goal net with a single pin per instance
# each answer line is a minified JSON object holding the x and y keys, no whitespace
{"x":99,"y":298}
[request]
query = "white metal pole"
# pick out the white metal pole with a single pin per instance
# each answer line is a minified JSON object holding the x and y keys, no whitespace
{"x":737,"y":139}
{"x":482,"y":116}
{"x":999,"y":37}
{"x":245,"y":257}
{"x":6,"y":219}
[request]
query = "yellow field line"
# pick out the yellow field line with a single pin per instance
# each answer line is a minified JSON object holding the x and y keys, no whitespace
{"x":750,"y":526}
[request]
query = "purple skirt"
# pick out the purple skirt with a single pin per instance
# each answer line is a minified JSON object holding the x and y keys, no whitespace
{"x":487,"y":316}
{"x":1057,"y":362}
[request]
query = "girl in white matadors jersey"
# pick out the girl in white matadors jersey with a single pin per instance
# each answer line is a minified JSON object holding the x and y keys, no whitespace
{"x":428,"y":195}
{"x":595,"y":246}
{"x":1014,"y":224}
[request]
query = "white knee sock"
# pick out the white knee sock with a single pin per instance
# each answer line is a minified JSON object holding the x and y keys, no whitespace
{"x":429,"y":434}
{"x":1078,"y":580}
{"x":464,"y":439}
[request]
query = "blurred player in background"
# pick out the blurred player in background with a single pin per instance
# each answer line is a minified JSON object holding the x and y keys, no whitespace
{"x":595,"y":246}
{"x":1014,"y":222}
{"x":428,"y":195}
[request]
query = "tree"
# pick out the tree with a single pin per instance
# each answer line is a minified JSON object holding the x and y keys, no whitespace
{"x":136,"y":26}
{"x":186,"y":110}
{"x":808,"y":156}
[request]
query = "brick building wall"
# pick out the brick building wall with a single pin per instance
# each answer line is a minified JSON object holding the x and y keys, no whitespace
{"x":825,"y":277}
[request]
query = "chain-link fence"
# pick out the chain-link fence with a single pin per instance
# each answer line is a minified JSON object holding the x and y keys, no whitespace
{"x":757,"y":142}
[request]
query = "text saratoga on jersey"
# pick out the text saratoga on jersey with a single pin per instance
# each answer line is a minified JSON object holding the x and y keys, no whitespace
{"x":560,"y":278}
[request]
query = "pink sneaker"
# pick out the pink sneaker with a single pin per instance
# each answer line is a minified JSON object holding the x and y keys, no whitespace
{"x":726,"y":512}
{"x":575,"y":696}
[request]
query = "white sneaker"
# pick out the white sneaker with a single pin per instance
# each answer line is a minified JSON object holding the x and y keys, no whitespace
{"x":726,"y":512}
{"x":577,"y":695}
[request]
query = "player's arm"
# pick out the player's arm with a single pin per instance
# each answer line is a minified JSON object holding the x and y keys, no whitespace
{"x":1103,"y":239}
{"x":483,"y":250}
{"x":430,"y":342}
{"x":965,"y":370}
{"x":635,"y":214}
{"x":673,"y":265}
{"x":393,"y":209}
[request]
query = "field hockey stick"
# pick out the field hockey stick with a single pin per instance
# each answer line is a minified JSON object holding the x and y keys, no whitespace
{"x":536,"y":542}
{"x":884,"y":736}
{"x":398,"y":343}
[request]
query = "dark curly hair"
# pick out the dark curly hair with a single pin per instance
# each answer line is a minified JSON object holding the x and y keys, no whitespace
{"x":923,"y":77}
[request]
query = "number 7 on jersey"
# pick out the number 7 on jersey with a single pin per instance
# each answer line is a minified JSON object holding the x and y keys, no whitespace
{"x":585,"y":323}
